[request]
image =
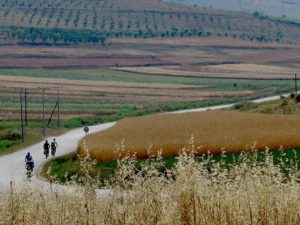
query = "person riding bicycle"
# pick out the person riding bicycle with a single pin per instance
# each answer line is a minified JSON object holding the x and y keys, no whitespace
{"x":29,"y":162}
{"x":46,"y":148}
{"x":54,"y":145}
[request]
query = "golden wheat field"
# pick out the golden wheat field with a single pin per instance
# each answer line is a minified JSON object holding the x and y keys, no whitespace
{"x":213,"y":131}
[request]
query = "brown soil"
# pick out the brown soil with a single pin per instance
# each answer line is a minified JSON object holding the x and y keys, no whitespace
{"x":75,"y":63}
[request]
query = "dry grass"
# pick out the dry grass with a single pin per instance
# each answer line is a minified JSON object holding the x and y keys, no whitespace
{"x":247,"y":71}
{"x":204,"y":41}
{"x":213,"y":131}
{"x":112,"y":91}
{"x":190,"y":194}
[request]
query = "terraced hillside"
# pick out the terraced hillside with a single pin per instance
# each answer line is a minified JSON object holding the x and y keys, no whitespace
{"x":93,"y":21}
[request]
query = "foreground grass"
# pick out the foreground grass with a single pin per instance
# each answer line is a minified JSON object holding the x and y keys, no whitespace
{"x":249,"y":192}
{"x":62,"y":169}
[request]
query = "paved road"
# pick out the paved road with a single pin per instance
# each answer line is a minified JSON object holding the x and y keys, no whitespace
{"x":12,"y":165}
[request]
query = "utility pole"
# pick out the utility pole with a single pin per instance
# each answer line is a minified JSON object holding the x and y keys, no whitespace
{"x":21,"y":108}
{"x":58,"y":109}
{"x":296,"y":85}
{"x":43,"y":112}
{"x":25,"y":104}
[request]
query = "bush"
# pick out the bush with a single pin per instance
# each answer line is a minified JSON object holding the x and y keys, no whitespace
{"x":13,"y":135}
{"x":4,"y":144}
{"x":238,"y":105}
{"x":297,"y":98}
{"x":243,"y":105}
{"x":10,"y":135}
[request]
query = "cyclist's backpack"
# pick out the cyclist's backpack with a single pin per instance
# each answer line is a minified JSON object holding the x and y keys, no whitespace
{"x":29,"y":158}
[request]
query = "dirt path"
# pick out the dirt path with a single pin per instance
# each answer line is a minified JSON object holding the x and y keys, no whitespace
{"x":12,"y":165}
{"x":261,"y":100}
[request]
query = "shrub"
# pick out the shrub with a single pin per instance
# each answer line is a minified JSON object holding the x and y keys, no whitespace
{"x":10,"y":135}
{"x":297,"y":98}
{"x":4,"y":144}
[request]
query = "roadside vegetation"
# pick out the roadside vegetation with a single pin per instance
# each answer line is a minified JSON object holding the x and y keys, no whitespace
{"x":251,"y":190}
{"x":286,"y":105}
{"x":10,"y":135}
{"x":66,"y":168}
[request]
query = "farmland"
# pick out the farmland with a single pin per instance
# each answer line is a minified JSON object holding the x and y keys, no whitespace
{"x":100,"y":92}
{"x":121,"y":60}
{"x":97,"y":21}
{"x":134,"y":78}
{"x":273,"y":7}
{"x":212,"y":131}
{"x":238,"y":71}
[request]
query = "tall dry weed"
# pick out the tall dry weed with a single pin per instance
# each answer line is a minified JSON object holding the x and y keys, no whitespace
{"x":192,"y":192}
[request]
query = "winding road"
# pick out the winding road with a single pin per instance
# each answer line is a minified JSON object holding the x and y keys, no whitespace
{"x":12,"y":166}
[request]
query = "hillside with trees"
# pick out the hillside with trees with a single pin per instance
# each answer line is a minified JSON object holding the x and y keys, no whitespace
{"x":288,"y":8}
{"x":95,"y":21}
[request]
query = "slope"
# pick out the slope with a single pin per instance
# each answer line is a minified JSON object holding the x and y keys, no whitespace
{"x":288,"y":8}
{"x":93,"y":21}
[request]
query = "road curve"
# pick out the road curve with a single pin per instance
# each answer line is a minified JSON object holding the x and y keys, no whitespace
{"x":12,"y":166}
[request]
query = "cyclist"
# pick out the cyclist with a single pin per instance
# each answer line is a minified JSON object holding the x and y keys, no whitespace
{"x":54,"y":145}
{"x":29,"y":164}
{"x":46,"y":149}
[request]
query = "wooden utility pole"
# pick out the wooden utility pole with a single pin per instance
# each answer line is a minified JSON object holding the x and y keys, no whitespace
{"x":58,"y":109}
{"x":21,"y":108}
{"x":43,"y":111}
{"x":52,"y":114}
{"x":25,"y":105}
{"x":296,"y":85}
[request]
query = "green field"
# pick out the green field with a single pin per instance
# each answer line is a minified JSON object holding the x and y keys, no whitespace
{"x":120,"y":76}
